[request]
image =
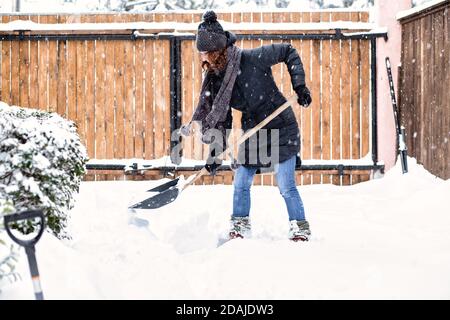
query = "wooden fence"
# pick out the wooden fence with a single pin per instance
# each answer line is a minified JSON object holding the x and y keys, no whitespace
{"x":424,"y":97}
{"x":118,"y":92}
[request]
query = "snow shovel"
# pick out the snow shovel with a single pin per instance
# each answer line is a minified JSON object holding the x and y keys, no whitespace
{"x":402,"y":150}
{"x":164,"y":186}
{"x":29,"y":244}
{"x":169,"y":191}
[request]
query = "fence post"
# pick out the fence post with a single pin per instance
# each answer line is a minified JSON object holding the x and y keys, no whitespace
{"x":175,"y":95}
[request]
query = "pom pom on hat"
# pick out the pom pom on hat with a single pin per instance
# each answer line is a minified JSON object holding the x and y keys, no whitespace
{"x":209,"y":16}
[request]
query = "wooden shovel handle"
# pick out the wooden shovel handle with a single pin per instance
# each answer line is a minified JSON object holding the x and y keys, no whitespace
{"x":246,"y":135}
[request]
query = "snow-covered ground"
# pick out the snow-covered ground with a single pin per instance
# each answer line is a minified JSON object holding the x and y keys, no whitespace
{"x":384,"y":239}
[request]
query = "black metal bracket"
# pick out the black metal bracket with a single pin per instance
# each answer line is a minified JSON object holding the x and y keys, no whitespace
{"x":171,"y":168}
{"x":340,"y":170}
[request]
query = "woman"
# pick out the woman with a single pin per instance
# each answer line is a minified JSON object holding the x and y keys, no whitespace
{"x":243,"y":80}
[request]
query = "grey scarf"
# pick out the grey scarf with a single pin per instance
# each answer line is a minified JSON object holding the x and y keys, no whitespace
{"x":213,"y":115}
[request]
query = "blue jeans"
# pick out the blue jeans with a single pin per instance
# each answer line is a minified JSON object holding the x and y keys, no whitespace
{"x":285,"y":173}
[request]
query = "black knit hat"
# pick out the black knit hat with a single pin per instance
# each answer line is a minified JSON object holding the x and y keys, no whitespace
{"x":210,"y":35}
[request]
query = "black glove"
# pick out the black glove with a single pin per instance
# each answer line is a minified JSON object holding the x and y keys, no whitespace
{"x":212,"y":163}
{"x":304,"y":96}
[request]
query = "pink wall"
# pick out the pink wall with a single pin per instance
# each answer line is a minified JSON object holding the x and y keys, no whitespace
{"x":384,"y":16}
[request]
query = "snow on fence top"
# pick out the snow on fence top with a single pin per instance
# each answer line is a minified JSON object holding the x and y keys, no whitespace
{"x":157,"y":27}
{"x":428,"y":6}
{"x":231,"y":9}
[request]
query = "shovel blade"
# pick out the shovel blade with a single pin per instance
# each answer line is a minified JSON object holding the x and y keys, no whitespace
{"x":164,"y":186}
{"x":158,"y":200}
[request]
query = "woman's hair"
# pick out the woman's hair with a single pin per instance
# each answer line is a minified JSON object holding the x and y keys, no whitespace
{"x":218,"y":61}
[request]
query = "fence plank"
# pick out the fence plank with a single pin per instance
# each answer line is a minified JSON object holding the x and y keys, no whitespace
{"x":297,"y":44}
{"x":236,"y":115}
{"x":24,"y":70}
{"x":316,"y":105}
{"x":159,"y":107}
{"x":15,"y":79}
{"x":286,"y":84}
{"x":364,"y":16}
{"x":61,"y":99}
{"x":80,"y":74}
{"x":446,"y":95}
{"x":100,"y":96}
{"x":119,"y":85}
{"x":355,"y":96}
{"x":33,"y":87}
{"x":345,"y":106}
{"x":326,"y":95}
{"x":228,"y":178}
{"x":149,"y":99}
{"x":277,"y":70}
{"x":42,"y":71}
{"x":268,"y":179}
{"x":416,"y":78}
{"x":100,"y":133}
{"x":165,"y":102}
{"x":355,"y":100}
{"x":336,"y":100}
{"x":52,"y":69}
{"x":260,"y":17}
{"x":90,"y":91}
{"x":438,"y":142}
{"x":138,"y":96}
{"x":61,"y":79}
{"x":166,"y":97}
{"x":110,"y":110}
{"x":129,"y":115}
{"x":364,"y":61}
{"x":365,"y":100}
{"x":306,"y":114}
{"x":100,"y":79}
{"x":355,"y":112}
{"x":186,"y":56}
{"x":1,"y":58}
{"x":6,"y":68}
{"x":197,"y":81}
{"x":406,"y":87}
{"x":72,"y":79}
{"x":427,"y":118}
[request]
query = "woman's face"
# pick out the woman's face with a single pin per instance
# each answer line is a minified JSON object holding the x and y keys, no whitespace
{"x":213,"y":60}
{"x":204,"y":56}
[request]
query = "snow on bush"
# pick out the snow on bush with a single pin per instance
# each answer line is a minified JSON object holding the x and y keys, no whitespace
{"x":42,"y":162}
{"x":8,"y":257}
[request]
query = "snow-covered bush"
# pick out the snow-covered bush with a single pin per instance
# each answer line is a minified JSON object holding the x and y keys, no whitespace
{"x":8,"y":254}
{"x":42,"y":162}
{"x":8,"y":258}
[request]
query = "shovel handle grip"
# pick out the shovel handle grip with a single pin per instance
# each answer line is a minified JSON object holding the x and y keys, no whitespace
{"x":25,"y":215}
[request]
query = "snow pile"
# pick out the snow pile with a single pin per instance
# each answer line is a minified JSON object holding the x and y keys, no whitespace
{"x":41,"y":164}
{"x":383,"y":239}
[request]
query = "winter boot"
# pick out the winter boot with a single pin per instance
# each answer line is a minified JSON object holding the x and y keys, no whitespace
{"x":299,"y":230}
{"x":240,"y":227}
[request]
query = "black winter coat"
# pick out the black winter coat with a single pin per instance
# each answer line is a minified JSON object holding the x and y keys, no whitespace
{"x":256,"y":95}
